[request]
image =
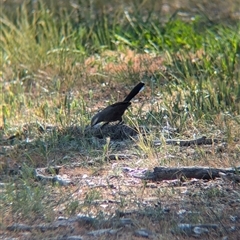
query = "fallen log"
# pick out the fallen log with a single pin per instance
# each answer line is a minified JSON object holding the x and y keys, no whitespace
{"x":166,"y":173}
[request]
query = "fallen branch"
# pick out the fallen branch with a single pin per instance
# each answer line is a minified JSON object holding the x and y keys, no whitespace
{"x":165,"y":173}
{"x":184,"y":143}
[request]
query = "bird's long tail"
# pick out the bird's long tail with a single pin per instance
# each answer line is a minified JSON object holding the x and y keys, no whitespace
{"x":138,"y":88}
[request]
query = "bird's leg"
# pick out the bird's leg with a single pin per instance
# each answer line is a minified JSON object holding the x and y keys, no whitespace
{"x":120,"y":121}
{"x":104,"y":125}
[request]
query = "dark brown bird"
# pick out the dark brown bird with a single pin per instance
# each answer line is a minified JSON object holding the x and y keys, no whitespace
{"x":115,"y":111}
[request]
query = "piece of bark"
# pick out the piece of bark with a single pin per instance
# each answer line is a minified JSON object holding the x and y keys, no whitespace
{"x":48,"y":175}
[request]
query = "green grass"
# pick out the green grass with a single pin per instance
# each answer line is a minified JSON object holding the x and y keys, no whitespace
{"x":203,"y":60}
{"x":55,"y":62}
